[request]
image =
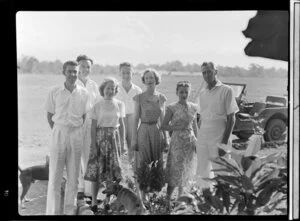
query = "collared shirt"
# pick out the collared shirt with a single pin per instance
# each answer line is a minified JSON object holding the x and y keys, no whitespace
{"x":68,"y":108}
{"x":93,"y":89}
{"x":217,"y":103}
{"x":127,"y":98}
{"x":108,"y":112}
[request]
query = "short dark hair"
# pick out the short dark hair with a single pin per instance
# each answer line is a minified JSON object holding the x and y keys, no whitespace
{"x":125,"y":64}
{"x":208,"y":64}
{"x":183,"y":84}
{"x":105,"y":82}
{"x":156,"y":75}
{"x":71,"y":63}
{"x":84,"y":58}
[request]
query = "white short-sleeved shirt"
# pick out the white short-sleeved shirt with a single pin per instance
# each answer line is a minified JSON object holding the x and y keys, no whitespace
{"x":127,"y":98}
{"x":93,"y":89}
{"x":68,"y":108}
{"x":217,"y":103}
{"x":108,"y":112}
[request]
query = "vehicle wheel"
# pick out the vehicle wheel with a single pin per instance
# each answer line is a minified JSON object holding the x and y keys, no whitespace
{"x":243,"y":135}
{"x":275,"y":130}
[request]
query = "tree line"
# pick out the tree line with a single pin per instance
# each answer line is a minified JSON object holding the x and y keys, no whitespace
{"x":31,"y":65}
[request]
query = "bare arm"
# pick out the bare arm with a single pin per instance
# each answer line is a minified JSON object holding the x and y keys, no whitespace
{"x":165,"y":123}
{"x":49,"y":118}
{"x":161,"y":119}
{"x":122,"y":131}
{"x":229,"y":127}
{"x":135,"y":124}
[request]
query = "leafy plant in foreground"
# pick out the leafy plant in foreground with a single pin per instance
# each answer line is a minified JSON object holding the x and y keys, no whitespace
{"x":246,"y":185}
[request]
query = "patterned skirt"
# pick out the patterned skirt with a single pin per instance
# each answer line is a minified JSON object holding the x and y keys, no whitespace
{"x":182,"y":159}
{"x":104,"y":159}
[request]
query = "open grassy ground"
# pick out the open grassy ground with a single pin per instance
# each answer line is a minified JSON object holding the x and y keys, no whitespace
{"x":34,"y":132}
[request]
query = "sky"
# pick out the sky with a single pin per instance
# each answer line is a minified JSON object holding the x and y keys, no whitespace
{"x":138,"y":37}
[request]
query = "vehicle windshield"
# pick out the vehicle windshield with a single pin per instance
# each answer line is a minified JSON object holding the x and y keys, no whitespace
{"x":237,"y":89}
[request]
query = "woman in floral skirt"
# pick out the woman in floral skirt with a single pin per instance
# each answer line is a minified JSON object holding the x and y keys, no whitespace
{"x":107,"y":131}
{"x":180,"y":118}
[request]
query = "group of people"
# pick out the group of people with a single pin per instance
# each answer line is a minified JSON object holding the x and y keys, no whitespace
{"x":92,"y":126}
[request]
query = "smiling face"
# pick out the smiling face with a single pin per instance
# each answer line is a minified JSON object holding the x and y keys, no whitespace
{"x":71,"y":74}
{"x":183,"y":93}
{"x":126,"y":73}
{"x":109,"y":90}
{"x":150,"y":80}
{"x":84,"y":68}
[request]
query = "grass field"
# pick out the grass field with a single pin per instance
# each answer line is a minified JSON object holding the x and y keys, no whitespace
{"x":34,"y":132}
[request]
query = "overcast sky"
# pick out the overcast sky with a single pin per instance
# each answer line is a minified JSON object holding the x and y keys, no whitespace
{"x":138,"y":37}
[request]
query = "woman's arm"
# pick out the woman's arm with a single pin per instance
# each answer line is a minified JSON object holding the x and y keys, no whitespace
{"x":135,"y":125}
{"x":122,"y":131}
{"x":161,"y":119}
{"x":165,"y":125}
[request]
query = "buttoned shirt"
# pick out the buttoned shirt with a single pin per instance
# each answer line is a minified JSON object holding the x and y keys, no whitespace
{"x":127,"y":98}
{"x":67,"y":108}
{"x":216,"y":103}
{"x":94,"y":94}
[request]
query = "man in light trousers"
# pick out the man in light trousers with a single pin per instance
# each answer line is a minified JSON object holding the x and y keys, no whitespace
{"x":126,"y":92}
{"x":85,"y":65}
{"x":66,"y":106}
{"x":217,"y":108}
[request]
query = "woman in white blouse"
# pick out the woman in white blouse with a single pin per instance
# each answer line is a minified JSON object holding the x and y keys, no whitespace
{"x":107,"y":131}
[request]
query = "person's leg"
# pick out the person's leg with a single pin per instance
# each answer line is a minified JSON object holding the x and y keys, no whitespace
{"x":129,"y":129}
{"x":82,"y":162}
{"x":203,"y":164}
{"x":56,"y":168}
{"x":95,"y":190}
{"x":214,"y":141}
{"x":85,"y":155}
{"x":73,"y":167}
{"x":170,"y":190}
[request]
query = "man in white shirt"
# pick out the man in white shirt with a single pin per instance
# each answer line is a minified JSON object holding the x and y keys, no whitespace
{"x":126,"y":93}
{"x":217,"y":108}
{"x":66,"y":111}
{"x":85,"y":65}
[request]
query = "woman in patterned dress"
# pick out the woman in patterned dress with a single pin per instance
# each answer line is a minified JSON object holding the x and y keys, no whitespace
{"x":180,"y":118}
{"x":147,"y":140}
{"x":107,"y":131}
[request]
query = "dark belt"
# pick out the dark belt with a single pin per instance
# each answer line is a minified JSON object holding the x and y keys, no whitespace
{"x":149,"y":123}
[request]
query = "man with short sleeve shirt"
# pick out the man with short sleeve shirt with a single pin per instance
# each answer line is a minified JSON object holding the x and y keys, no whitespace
{"x":126,"y":93}
{"x":217,"y":108}
{"x":66,"y":110}
{"x":85,"y":65}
